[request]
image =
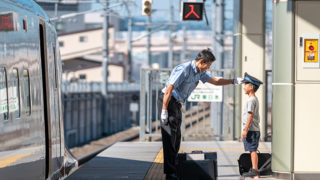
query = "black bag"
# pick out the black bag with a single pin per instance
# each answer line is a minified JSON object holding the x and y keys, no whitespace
{"x":264,"y":163}
{"x":193,"y":169}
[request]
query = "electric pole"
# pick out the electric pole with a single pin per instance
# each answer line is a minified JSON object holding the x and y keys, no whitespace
{"x":129,"y":44}
{"x":105,"y":50}
{"x":148,"y":41}
{"x":55,"y":11}
{"x":184,"y":48}
{"x":104,"y":86}
{"x":170,"y":55}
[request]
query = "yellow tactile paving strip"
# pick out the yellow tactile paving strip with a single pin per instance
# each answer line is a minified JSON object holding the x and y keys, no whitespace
{"x":156,"y":170}
{"x":7,"y":161}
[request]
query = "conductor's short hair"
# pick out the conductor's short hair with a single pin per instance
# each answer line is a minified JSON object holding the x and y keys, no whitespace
{"x":206,"y":55}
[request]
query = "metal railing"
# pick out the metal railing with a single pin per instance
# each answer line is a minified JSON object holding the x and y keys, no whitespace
{"x":200,"y":120}
{"x":80,"y":87}
{"x":89,"y":116}
{"x":83,"y":117}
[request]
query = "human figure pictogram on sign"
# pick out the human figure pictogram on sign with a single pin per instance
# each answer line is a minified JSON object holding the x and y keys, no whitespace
{"x":5,"y":20}
{"x":192,"y":12}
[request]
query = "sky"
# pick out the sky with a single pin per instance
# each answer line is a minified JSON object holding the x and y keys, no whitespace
{"x":160,"y":7}
{"x":161,"y":11}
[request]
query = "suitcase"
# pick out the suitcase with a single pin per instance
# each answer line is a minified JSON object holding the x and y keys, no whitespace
{"x":197,"y":165}
{"x":264,"y":163}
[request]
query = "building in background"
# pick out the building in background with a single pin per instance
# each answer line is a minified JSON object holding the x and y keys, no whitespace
{"x":81,"y":54}
{"x":79,"y":43}
{"x":64,"y":7}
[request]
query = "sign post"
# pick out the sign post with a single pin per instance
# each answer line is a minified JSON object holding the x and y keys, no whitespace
{"x":134,"y":108}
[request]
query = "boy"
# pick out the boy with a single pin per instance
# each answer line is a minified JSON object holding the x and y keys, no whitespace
{"x":250,"y":121}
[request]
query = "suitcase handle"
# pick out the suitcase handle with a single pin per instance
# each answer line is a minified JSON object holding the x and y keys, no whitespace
{"x":197,"y":152}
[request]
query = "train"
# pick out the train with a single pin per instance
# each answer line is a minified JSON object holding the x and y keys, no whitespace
{"x":32,"y":143}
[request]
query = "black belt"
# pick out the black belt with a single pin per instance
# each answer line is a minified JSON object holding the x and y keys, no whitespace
{"x":172,"y":98}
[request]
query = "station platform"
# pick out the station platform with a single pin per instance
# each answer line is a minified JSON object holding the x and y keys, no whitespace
{"x":144,"y":160}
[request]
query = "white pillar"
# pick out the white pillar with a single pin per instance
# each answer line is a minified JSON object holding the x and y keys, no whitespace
{"x":249,"y":52}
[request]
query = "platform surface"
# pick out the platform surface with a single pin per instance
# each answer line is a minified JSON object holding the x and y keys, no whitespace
{"x":143,"y":160}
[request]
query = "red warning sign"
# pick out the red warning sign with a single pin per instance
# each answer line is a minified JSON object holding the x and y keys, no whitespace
{"x":192,"y":11}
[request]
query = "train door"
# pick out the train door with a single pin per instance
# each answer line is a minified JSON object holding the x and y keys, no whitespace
{"x":55,"y":100}
{"x":45,"y":95}
{"x":51,"y":100}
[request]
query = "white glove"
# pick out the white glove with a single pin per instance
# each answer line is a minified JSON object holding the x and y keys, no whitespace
{"x":164,"y":116}
{"x":237,"y":81}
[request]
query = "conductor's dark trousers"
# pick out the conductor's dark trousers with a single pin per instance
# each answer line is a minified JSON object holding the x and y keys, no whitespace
{"x":171,"y":134}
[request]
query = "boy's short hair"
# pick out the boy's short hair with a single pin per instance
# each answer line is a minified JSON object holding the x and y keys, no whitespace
{"x":255,"y":87}
{"x":206,"y":55}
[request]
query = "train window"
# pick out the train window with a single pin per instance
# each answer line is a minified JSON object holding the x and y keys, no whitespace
{"x":14,"y":93}
{"x":83,"y":39}
{"x":26,"y":92}
{"x":3,"y":95}
{"x":25,"y":25}
{"x":61,"y":43}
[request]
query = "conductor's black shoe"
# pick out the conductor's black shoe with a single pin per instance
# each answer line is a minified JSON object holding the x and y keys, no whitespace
{"x":172,"y":176}
{"x":252,"y":173}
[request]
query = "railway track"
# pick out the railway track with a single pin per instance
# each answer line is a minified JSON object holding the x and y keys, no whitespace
{"x":86,"y":152}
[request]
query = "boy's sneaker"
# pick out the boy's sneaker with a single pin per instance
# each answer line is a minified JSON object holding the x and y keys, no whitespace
{"x":252,"y":173}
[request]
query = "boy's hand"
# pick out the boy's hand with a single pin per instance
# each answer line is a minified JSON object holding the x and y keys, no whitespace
{"x":244,"y":134}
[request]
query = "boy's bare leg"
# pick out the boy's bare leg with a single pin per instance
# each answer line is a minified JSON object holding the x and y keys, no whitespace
{"x":254,"y":160}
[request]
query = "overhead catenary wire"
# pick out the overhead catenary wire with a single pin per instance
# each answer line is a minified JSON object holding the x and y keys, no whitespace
{"x":86,"y":12}
{"x":78,"y":1}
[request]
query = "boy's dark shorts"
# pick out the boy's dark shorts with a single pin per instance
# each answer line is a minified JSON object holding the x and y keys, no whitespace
{"x":251,"y":143}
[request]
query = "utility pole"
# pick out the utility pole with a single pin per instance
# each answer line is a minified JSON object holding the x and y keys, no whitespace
{"x":105,"y":66}
{"x":105,"y":50}
{"x":55,"y":11}
{"x":147,"y":11}
{"x":129,"y":44}
{"x":184,"y":48}
{"x":213,"y":26}
{"x":148,"y":41}
{"x":129,"y":75}
{"x":170,"y":55}
{"x":219,"y":33}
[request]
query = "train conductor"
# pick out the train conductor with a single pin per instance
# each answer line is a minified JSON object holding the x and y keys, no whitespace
{"x":182,"y":81}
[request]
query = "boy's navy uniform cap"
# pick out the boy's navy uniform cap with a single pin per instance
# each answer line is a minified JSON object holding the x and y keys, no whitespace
{"x":250,"y":79}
